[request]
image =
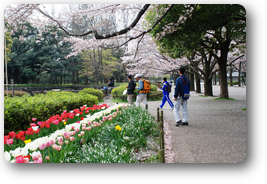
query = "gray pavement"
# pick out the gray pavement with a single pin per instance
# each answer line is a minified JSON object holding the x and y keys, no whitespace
{"x":216,"y":131}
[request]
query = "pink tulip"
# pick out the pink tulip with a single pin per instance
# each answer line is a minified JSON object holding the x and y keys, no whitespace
{"x":82,"y":132}
{"x":56,"y":122}
{"x":79,"y":135}
{"x":58,"y":148}
{"x":36,"y":155}
{"x":52,"y":142}
{"x":47,"y":158}
{"x":33,"y":119}
{"x":19,"y":159}
{"x":47,"y":144}
{"x":60,"y":139}
{"x":33,"y":124}
{"x":40,"y":123}
{"x":83,"y":125}
{"x":71,"y":138}
{"x":83,"y":128}
{"x":39,"y":161}
{"x":77,"y":129}
{"x":89,"y":123}
{"x":66,"y":142}
{"x":88,"y":128}
{"x":110,"y":118}
{"x":60,"y":143}
{"x":9,"y":141}
{"x":42,"y":146}
{"x":26,"y":160}
{"x":78,"y":122}
{"x":54,"y":146}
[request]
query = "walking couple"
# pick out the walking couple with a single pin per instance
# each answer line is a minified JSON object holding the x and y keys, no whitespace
{"x":180,"y":97}
{"x":143,"y":88}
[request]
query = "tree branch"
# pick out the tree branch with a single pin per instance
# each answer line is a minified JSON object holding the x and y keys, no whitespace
{"x":147,"y":31}
{"x":97,"y":36}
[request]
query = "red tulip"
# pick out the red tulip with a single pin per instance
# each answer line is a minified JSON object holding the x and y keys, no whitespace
{"x":18,"y":136}
{"x":6,"y":137}
{"x":47,"y":125}
{"x":82,"y":118}
{"x":12,"y":134}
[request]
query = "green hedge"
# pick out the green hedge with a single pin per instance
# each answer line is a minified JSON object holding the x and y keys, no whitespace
{"x":18,"y":111}
{"x":94,"y":92}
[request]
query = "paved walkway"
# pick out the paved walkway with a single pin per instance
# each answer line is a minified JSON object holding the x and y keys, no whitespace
{"x":216,"y":131}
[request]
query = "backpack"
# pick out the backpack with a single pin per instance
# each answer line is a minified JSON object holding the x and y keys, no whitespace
{"x":169,"y":89}
{"x":186,"y":90}
{"x":146,"y":88}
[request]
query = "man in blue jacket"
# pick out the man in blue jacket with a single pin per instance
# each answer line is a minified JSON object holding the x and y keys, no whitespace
{"x":165,"y":93}
{"x":178,"y":100}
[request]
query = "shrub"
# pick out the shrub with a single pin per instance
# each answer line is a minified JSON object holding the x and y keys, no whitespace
{"x":18,"y":111}
{"x":94,"y":92}
{"x":154,"y":95}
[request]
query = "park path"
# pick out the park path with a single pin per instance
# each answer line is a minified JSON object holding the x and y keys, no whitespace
{"x":216,"y":131}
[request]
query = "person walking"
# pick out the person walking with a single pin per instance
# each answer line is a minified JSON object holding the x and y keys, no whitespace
{"x":178,"y":100}
{"x":143,"y":90}
{"x":130,"y":90}
{"x":165,"y":88}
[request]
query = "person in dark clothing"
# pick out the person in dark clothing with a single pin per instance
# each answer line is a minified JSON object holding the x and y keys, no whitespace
{"x":111,"y":83}
{"x":178,"y":100}
{"x":130,"y":90}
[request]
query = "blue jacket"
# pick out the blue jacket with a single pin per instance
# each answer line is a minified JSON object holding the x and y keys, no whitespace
{"x":165,"y":88}
{"x":179,"y":86}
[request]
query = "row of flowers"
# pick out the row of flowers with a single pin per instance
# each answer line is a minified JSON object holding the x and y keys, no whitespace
{"x":53,"y":123}
{"x":56,"y":144}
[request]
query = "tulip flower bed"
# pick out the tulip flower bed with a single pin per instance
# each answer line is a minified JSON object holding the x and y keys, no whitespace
{"x":49,"y":126}
{"x":18,"y":111}
{"x":108,"y":136}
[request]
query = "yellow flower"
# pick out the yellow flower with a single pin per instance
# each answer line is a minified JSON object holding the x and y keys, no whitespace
{"x":27,"y":141}
{"x":64,"y":123}
{"x":118,"y":127}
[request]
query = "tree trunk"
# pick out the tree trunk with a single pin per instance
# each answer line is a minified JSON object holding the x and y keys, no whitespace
{"x":198,"y":86}
{"x":208,"y":87}
{"x":215,"y":77}
{"x":77,"y":77}
{"x":73,"y":77}
{"x":239,"y":74}
{"x":223,"y":77}
{"x":192,"y":82}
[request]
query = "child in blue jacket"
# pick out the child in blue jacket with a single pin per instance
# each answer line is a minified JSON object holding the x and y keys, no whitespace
{"x":165,"y":93}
